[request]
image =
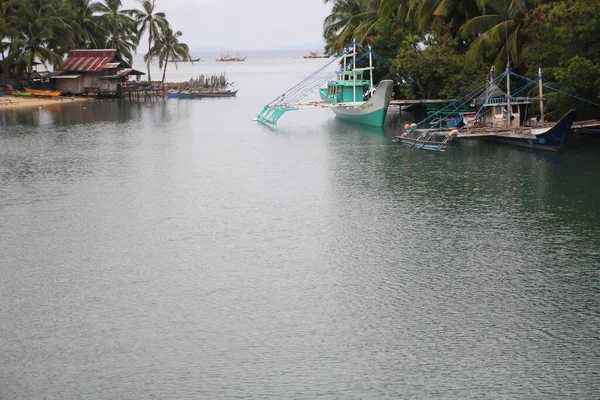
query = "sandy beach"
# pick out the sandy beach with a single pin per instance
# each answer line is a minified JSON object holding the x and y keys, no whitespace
{"x":10,"y":102}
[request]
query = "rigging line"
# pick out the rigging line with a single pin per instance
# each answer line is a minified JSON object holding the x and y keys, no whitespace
{"x":298,"y":85}
{"x":572,"y":95}
{"x":557,"y":90}
{"x":469,"y":96}
{"x":500,"y":77}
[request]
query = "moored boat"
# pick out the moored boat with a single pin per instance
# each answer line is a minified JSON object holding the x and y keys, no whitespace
{"x":187,"y":95}
{"x":45,"y":93}
{"x":501,"y":117}
{"x":351,"y":95}
{"x":216,"y":93}
{"x":172,"y":95}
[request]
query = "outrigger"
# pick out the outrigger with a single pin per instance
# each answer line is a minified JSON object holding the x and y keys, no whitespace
{"x":351,"y":95}
{"x":500,"y":116}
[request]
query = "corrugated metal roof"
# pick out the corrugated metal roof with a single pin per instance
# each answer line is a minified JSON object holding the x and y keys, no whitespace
{"x":88,"y":60}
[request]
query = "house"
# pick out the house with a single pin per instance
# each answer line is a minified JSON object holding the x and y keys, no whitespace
{"x":98,"y":71}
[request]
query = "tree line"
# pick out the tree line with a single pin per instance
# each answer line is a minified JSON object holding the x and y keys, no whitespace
{"x":45,"y":30}
{"x":444,"y":48}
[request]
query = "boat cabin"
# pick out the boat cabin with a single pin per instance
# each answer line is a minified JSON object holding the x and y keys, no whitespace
{"x":348,"y":87}
{"x":496,"y":112}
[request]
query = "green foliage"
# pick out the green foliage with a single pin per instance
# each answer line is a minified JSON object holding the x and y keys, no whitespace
{"x":562,"y":39}
{"x":45,"y":30}
{"x":442,"y":48}
{"x":434,"y":69}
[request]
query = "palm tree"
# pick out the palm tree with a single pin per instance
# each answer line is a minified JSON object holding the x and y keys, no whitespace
{"x":152,"y":22}
{"x":37,"y":32}
{"x":422,"y":13}
{"x":119,"y":28}
{"x":167,"y":47}
{"x":498,"y":30}
{"x":86,"y":23}
{"x":349,"y":20}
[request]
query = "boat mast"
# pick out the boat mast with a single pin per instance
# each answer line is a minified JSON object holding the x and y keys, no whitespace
{"x":508,"y":92}
{"x":371,"y":70}
{"x":541,"y":95}
{"x":354,"y":69}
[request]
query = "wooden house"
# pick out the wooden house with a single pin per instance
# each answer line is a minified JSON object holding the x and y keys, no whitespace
{"x":98,"y":71}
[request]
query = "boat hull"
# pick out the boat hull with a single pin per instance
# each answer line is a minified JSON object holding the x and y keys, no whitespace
{"x":371,"y":112}
{"x":550,"y":139}
{"x":228,"y":93}
{"x":173,"y":95}
{"x":48,"y":93}
{"x":187,"y":96}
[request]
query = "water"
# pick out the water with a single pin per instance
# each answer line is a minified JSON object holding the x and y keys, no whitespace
{"x":178,"y":249}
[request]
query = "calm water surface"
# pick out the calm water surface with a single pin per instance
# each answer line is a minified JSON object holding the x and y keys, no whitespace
{"x":179,"y":250}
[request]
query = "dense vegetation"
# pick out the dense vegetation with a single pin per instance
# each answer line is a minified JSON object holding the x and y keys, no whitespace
{"x":45,"y":30}
{"x":444,"y":48}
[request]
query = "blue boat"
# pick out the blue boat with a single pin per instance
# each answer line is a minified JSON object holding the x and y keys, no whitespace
{"x":172,"y":95}
{"x":500,"y":117}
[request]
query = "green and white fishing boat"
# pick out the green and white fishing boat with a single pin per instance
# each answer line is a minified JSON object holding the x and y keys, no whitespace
{"x":351,"y":95}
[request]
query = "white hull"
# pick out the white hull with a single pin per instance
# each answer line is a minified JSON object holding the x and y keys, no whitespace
{"x":370,"y":112}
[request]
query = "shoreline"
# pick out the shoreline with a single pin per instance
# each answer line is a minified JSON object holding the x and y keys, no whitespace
{"x":12,"y":102}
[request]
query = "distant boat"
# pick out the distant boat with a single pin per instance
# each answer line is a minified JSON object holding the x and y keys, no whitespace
{"x":314,"y":54}
{"x":229,"y":58}
{"x":48,"y":93}
{"x":191,"y":60}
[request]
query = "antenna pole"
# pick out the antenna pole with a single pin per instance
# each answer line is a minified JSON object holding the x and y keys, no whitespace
{"x":508,"y":93}
{"x":354,"y":70}
{"x":541,"y":95}
{"x":371,"y":70}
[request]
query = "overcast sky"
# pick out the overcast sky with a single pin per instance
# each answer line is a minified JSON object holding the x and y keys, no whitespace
{"x":245,"y":24}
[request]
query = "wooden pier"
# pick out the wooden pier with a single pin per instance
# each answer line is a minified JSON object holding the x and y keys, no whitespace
{"x":588,"y":124}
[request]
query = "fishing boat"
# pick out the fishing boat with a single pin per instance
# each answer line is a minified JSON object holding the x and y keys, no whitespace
{"x":172,"y":95}
{"x":45,"y":93}
{"x":351,"y":96}
{"x":187,"y":95}
{"x":502,"y":118}
{"x":226,"y":57}
{"x":192,"y":60}
{"x":216,"y":93}
{"x":314,"y":54}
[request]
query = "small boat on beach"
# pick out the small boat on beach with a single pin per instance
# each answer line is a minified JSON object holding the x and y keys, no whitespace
{"x":21,"y":94}
{"x":43,"y":93}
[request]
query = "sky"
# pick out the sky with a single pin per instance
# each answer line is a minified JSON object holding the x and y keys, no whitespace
{"x":221,"y":25}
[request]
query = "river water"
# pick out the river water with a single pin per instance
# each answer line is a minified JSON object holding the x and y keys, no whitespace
{"x":179,"y":250}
